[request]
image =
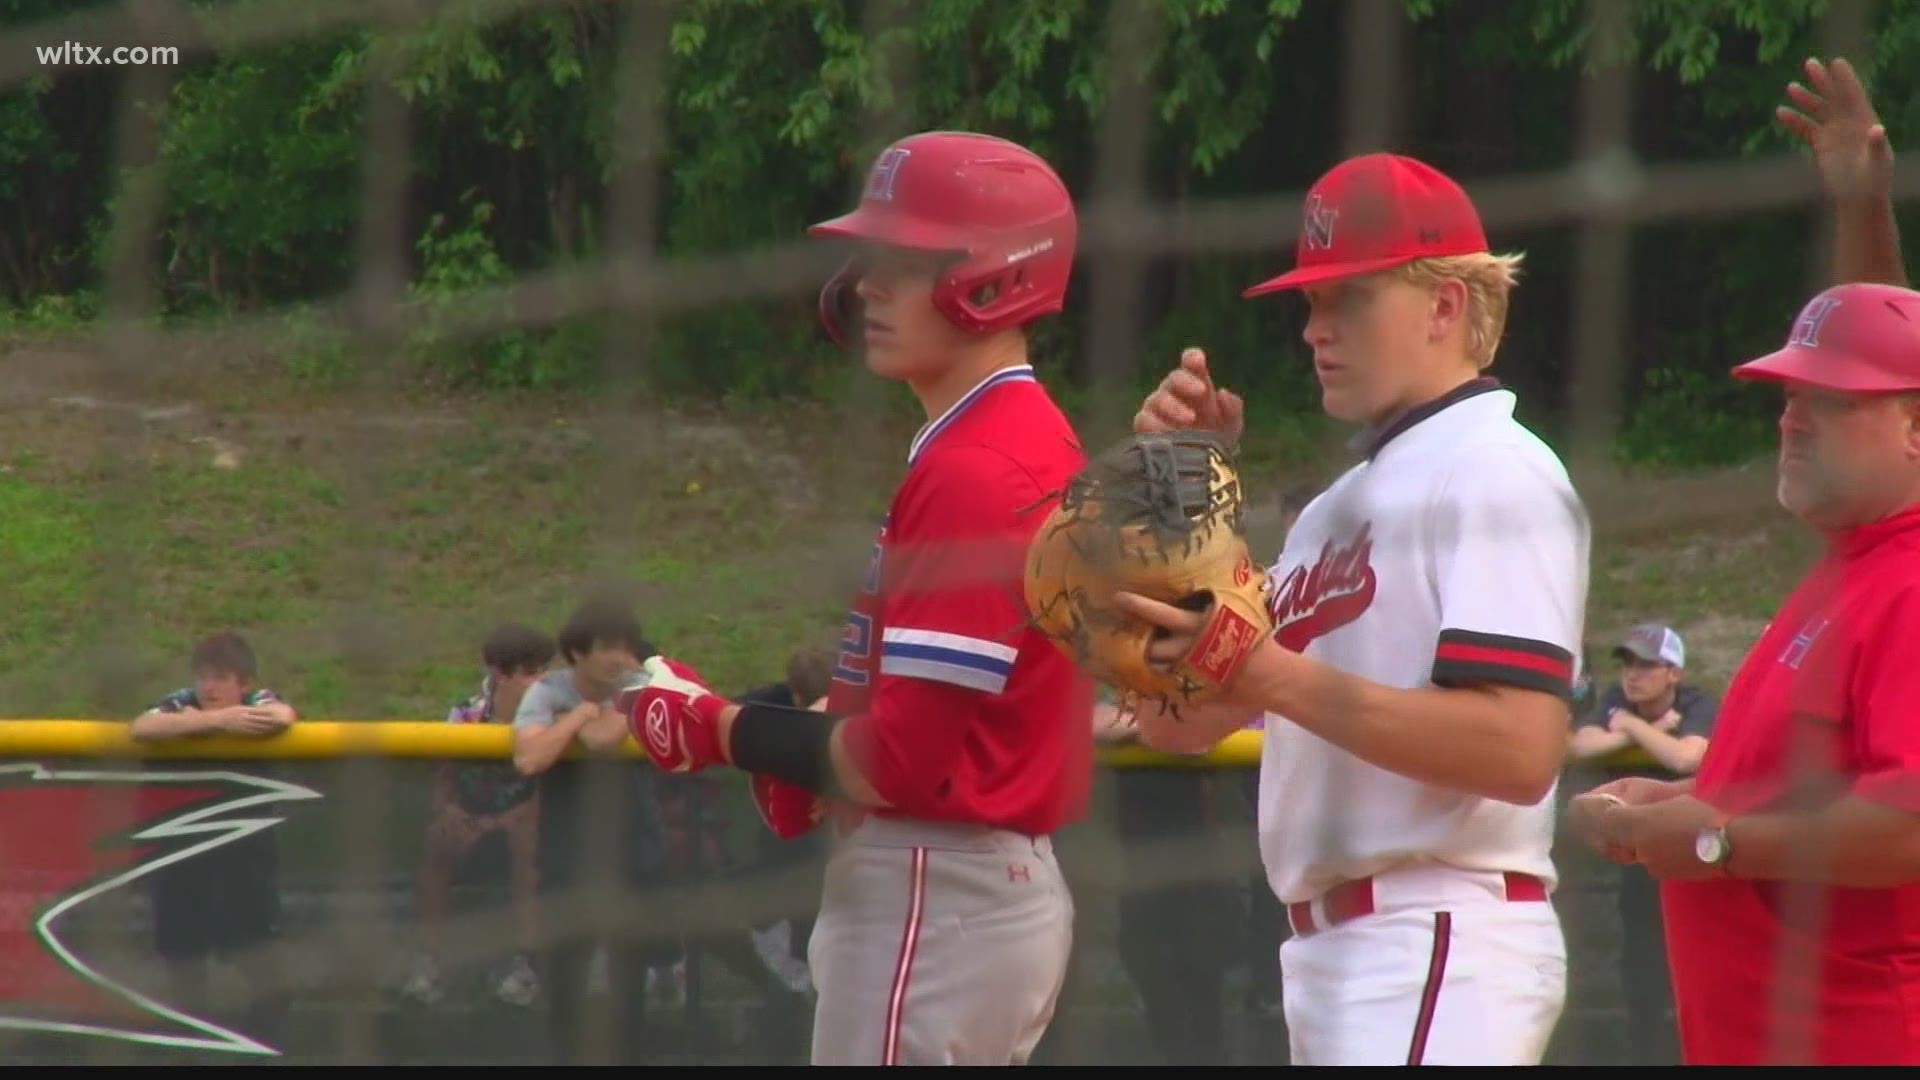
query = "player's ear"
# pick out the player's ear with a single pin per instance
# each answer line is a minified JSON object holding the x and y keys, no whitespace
{"x":1910,"y":425}
{"x":1447,"y":309}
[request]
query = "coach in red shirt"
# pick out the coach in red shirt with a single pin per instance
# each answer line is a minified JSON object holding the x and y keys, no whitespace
{"x":1790,"y":863}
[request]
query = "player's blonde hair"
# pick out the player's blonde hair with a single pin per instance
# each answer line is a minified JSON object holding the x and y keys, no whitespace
{"x":1489,"y":280}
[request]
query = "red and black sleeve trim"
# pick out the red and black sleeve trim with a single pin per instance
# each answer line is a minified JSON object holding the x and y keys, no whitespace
{"x":1468,"y":657}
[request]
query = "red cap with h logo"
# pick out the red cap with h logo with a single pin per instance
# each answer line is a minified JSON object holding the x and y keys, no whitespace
{"x":1374,"y":212}
{"x":1858,"y":338}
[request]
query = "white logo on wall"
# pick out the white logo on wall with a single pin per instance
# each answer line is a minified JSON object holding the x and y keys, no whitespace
{"x":147,"y":821}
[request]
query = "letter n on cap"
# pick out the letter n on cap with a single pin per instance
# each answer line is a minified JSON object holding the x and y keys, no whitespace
{"x":1319,"y":223}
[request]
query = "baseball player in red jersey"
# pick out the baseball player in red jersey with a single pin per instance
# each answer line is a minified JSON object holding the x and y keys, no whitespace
{"x":1790,"y":862}
{"x":955,"y":734}
{"x":1428,"y":610}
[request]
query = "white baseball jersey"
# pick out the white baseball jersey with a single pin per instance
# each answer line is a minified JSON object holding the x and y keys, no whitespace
{"x":1457,"y":550}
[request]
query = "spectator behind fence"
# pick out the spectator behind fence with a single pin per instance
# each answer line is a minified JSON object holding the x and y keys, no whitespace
{"x":224,"y":901}
{"x":474,"y":801}
{"x":597,"y":814}
{"x":1651,"y":709}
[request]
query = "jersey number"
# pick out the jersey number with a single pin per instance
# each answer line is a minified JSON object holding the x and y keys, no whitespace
{"x":856,"y":650}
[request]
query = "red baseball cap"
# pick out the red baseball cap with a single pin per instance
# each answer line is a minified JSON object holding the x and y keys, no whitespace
{"x":1858,"y":338}
{"x":1377,"y":211}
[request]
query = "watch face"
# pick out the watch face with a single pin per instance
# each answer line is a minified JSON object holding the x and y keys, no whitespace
{"x":1708,"y":846}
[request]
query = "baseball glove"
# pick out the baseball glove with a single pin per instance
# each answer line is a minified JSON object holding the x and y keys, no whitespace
{"x":1158,"y":515}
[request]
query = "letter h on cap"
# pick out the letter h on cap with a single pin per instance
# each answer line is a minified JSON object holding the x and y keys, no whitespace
{"x":1806,"y":329}
{"x":885,"y":171}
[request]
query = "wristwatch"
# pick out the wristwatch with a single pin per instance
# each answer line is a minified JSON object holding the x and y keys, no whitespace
{"x":1712,"y":847}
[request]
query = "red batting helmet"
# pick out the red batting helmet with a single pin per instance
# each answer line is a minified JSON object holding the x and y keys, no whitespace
{"x":997,"y":207}
{"x":1854,"y":338}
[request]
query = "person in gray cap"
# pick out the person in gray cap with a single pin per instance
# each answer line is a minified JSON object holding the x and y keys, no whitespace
{"x":1650,"y":708}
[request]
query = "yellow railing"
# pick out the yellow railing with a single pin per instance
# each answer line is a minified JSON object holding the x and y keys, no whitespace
{"x":431,"y":739}
{"x":435,"y":739}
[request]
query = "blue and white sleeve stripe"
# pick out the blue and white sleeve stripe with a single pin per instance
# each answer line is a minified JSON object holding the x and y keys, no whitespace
{"x":950,"y":658}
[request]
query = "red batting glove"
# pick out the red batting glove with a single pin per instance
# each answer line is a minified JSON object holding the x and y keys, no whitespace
{"x":674,"y":717}
{"x":789,"y":810}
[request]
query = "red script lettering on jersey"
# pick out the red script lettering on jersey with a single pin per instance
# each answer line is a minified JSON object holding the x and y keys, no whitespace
{"x":1336,"y":590}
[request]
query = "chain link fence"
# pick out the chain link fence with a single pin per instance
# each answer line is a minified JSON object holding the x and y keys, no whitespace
{"x":677,"y":932}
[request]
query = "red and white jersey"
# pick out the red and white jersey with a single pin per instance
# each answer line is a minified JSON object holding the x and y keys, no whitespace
{"x":960,"y":710}
{"x":1455,"y":552}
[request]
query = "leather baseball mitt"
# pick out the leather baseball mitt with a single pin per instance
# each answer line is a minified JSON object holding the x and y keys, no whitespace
{"x":1159,"y":515}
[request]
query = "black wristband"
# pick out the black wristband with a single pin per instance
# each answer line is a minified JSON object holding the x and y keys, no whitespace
{"x":794,"y":745}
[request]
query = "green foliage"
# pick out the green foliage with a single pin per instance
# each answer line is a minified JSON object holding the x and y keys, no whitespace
{"x":523,"y":136}
{"x":1689,"y":37}
{"x":261,"y":176}
{"x":1217,"y":66}
{"x":51,"y":313}
{"x":316,"y":354}
{"x":1693,"y":418}
{"x":456,"y":262}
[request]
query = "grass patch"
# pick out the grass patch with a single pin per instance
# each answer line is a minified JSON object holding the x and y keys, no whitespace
{"x":46,"y":540}
{"x":1717,"y":588}
{"x":368,"y":552}
{"x":367,"y":568}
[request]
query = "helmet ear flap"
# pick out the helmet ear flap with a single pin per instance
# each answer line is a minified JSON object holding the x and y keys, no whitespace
{"x":841,"y":311}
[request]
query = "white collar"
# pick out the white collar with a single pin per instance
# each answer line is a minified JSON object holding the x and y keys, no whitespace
{"x":1015,"y":373}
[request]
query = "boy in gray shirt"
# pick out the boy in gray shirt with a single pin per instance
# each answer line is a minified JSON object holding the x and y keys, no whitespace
{"x":600,"y":822}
